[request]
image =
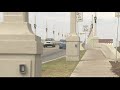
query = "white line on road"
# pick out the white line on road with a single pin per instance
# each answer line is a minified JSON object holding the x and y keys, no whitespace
{"x":52,"y":59}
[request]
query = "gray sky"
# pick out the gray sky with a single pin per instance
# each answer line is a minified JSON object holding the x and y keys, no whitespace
{"x":106,"y":24}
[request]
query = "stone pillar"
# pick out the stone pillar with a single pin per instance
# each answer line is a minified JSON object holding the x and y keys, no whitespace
{"x":20,"y":49}
{"x":95,"y":40}
{"x":15,"y":17}
{"x":73,"y":41}
{"x":73,"y":23}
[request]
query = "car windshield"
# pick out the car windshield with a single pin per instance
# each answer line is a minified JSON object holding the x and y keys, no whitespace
{"x":49,"y":39}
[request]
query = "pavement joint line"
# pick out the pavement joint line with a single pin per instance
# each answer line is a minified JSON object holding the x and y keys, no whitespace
{"x":53,"y":59}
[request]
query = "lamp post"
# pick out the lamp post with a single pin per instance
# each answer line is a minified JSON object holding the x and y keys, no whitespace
{"x":46,"y":30}
{"x":54,"y":32}
{"x":92,"y":26}
{"x":95,"y":29}
{"x":117,"y":14}
{"x":35,"y":24}
{"x":65,"y":36}
{"x":79,"y":18}
{"x":58,"y":36}
{"x":85,"y":30}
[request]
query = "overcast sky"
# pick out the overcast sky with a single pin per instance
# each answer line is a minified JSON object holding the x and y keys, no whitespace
{"x":106,"y":24}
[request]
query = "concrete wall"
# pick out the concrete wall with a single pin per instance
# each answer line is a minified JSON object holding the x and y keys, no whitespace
{"x":18,"y":46}
{"x":109,"y":51}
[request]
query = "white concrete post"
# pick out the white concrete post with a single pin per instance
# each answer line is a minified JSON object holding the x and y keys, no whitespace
{"x":73,"y":23}
{"x":20,"y":50}
{"x":73,"y":41}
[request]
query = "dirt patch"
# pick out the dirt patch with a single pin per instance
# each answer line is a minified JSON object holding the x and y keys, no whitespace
{"x":115,"y":67}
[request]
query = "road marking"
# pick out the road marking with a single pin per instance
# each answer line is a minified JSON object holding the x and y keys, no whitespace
{"x":53,"y":59}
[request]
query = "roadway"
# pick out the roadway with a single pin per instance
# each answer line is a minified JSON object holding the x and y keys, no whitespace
{"x":50,"y":53}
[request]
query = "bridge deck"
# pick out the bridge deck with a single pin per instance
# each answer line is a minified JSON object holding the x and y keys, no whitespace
{"x":93,"y":64}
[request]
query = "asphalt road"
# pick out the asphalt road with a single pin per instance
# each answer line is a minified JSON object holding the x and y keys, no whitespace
{"x":50,"y":53}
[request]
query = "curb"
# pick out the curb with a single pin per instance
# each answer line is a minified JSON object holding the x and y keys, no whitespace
{"x":53,"y":59}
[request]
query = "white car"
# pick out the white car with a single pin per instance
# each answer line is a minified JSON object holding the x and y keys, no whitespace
{"x":49,"y":42}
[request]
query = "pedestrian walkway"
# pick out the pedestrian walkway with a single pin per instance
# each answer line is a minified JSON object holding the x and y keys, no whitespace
{"x":93,"y":64}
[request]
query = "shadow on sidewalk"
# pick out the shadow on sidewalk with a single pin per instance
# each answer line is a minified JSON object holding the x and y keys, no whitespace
{"x":115,"y":67}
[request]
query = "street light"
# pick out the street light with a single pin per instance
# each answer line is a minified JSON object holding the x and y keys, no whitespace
{"x":54,"y":32}
{"x":85,"y":30}
{"x":95,"y":30}
{"x":35,"y":24}
{"x":46,"y":30}
{"x":79,"y":18}
{"x":58,"y":36}
{"x":95,"y":18}
{"x":117,"y":14}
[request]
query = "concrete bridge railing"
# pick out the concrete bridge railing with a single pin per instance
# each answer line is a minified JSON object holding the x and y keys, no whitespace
{"x":109,"y":51}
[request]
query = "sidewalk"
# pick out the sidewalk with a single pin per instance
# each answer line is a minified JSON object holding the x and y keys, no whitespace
{"x":93,"y":64}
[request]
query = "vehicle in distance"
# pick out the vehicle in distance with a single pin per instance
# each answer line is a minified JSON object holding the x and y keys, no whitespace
{"x":62,"y":44}
{"x":49,"y":42}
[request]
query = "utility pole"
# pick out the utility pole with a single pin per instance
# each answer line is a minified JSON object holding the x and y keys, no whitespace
{"x":62,"y":35}
{"x":46,"y":30}
{"x":117,"y":14}
{"x":65,"y":36}
{"x":54,"y":32}
{"x":58,"y":36}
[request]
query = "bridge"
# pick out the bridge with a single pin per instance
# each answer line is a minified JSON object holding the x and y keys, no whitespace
{"x":96,"y":61}
{"x":21,"y":50}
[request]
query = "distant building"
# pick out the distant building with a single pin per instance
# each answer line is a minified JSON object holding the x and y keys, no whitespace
{"x":106,"y":41}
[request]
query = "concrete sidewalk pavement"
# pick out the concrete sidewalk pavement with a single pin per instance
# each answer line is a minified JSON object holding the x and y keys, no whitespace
{"x":93,"y":64}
